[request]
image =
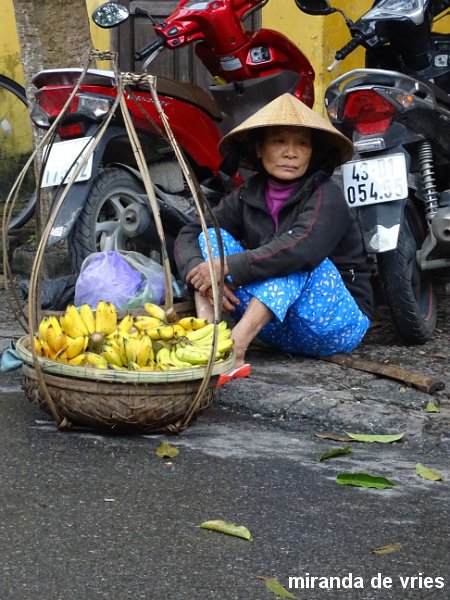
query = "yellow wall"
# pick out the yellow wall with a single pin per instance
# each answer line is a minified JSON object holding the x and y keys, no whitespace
{"x":100,"y":37}
{"x":10,"y":63}
{"x":318,"y":38}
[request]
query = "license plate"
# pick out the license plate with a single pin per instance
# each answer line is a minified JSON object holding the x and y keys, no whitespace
{"x":64,"y":159}
{"x":375,"y":180}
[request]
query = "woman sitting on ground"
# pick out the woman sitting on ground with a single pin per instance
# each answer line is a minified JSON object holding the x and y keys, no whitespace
{"x":296,"y":275}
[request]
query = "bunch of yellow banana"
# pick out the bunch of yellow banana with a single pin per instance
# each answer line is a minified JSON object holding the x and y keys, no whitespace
{"x":95,"y":360}
{"x":48,"y":326}
{"x":158,"y":329}
{"x":53,"y":341}
{"x":126,"y":324}
{"x":145,"y":323}
{"x":139,"y":352}
{"x":72,"y":322}
{"x":144,"y":342}
{"x":166,"y":332}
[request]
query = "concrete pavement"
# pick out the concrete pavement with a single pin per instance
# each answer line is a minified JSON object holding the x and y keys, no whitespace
{"x":85,"y":516}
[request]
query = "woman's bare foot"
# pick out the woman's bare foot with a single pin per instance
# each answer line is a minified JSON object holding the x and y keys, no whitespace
{"x":253,"y":320}
{"x":239,"y":349}
{"x":244,"y":332}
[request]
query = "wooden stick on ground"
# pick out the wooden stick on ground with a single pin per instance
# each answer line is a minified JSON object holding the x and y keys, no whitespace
{"x":426,"y":384}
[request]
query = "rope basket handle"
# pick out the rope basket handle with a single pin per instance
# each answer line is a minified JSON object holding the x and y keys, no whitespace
{"x":11,"y":199}
{"x":34,"y":310}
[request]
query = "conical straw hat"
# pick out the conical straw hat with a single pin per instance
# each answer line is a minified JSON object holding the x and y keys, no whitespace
{"x":288,"y":110}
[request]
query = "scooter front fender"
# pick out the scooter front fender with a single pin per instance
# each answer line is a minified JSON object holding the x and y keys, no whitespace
{"x":380,"y":225}
{"x":67,"y":214}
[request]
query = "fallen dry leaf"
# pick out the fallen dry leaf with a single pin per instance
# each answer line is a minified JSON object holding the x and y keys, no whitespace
{"x":165,"y":450}
{"x":394,"y":547}
{"x":229,"y":528}
{"x":335,"y":452}
{"x":273,"y":585}
{"x":427,"y":473}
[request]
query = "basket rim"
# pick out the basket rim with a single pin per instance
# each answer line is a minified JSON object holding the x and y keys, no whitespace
{"x":109,"y":375}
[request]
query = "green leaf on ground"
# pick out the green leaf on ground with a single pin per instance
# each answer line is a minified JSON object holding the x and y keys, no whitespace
{"x":165,"y":450}
{"x":382,"y":439}
{"x":427,"y":473}
{"x":273,"y":585}
{"x":394,"y":547}
{"x":364,"y":480}
{"x":229,"y":528}
{"x":432,"y":408}
{"x":335,"y":452}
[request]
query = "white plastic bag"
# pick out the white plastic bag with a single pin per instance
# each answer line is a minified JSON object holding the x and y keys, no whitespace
{"x":153,"y":288}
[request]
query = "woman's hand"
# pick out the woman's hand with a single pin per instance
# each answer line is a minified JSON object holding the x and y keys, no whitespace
{"x":200,"y":279}
{"x":229,"y":300}
{"x":200,"y":276}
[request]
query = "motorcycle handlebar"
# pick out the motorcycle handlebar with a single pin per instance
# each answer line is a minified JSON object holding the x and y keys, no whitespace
{"x":348,"y":48}
{"x":152,"y":47}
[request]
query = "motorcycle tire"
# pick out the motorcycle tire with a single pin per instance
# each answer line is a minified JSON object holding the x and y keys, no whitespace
{"x":409,"y":291}
{"x":112,"y":190}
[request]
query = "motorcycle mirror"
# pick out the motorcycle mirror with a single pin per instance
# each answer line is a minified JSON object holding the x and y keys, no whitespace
{"x":110,"y":14}
{"x":315,"y":7}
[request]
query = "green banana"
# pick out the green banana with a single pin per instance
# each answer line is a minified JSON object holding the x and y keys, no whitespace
{"x":208,"y":330}
{"x":176,"y":362}
{"x":193,"y":354}
{"x":163,"y":357}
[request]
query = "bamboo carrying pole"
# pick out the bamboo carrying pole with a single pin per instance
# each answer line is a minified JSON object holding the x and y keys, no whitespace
{"x":200,"y":202}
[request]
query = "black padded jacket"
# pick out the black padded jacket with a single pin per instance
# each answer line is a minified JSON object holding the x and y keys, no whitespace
{"x":314,"y":223}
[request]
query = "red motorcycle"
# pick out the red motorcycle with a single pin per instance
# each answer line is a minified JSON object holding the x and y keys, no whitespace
{"x":106,"y":208}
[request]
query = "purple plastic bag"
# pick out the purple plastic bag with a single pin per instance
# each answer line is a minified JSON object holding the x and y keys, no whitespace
{"x":107,"y":276}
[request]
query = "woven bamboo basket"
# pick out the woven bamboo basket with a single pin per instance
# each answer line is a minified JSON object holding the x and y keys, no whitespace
{"x":118,"y":401}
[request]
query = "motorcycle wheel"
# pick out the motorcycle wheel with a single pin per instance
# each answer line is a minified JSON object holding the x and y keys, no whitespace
{"x":112,"y":191}
{"x":408,"y":290}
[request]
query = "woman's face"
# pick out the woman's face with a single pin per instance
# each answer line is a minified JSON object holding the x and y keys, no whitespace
{"x":285,"y":152}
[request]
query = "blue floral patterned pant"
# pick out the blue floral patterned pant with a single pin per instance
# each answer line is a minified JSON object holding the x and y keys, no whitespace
{"x":315,"y":314}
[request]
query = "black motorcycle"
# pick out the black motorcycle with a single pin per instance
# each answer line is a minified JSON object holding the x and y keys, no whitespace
{"x":397,"y":113}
